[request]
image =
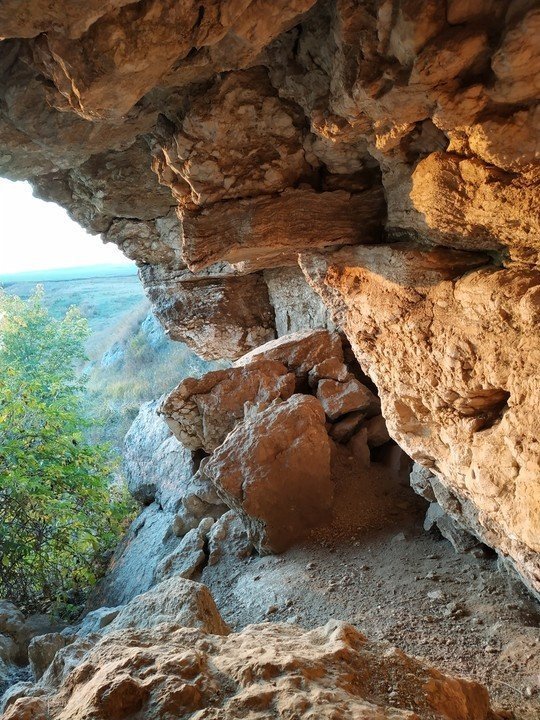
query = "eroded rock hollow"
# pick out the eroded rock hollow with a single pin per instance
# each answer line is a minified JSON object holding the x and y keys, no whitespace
{"x":278,"y":166}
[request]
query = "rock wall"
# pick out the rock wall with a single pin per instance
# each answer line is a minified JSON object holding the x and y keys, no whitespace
{"x":389,"y":145}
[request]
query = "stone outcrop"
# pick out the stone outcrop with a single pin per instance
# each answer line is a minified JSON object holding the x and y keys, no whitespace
{"x":267,"y":670}
{"x":179,"y":505}
{"x":219,"y":316}
{"x":393,"y":145}
{"x":455,"y":393}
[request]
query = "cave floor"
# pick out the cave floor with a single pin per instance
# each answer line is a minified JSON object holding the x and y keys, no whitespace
{"x":374,"y":566}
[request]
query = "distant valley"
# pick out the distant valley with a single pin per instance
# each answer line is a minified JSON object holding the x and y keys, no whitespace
{"x":130,"y":360}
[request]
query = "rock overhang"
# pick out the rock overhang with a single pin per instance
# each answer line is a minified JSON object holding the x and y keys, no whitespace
{"x":216,"y":144}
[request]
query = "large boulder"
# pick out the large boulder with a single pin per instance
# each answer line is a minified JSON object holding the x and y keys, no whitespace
{"x":274,"y":469}
{"x":176,"y":600}
{"x":200,"y":412}
{"x":174,"y":603}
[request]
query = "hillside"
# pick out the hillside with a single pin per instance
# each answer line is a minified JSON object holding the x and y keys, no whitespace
{"x":130,"y":360}
{"x":101,"y":295}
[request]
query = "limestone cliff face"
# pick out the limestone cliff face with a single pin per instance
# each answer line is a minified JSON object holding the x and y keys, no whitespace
{"x":390,"y":145}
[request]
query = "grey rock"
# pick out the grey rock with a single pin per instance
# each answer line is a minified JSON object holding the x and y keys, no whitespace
{"x":189,"y":556}
{"x":11,"y":619}
{"x":420,"y":479}
{"x":343,"y":430}
{"x":18,"y":690}
{"x":461,"y":540}
{"x":296,"y":305}
{"x":153,"y":332}
{"x":148,"y":540}
{"x":175,"y":600}
{"x":96,"y":620}
{"x":8,"y":649}
{"x":114,"y":356}
{"x":42,"y":651}
{"x":228,"y":538}
{"x":157,"y":466}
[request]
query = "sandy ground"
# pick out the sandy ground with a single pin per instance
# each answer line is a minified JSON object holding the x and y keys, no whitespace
{"x":374,"y":566}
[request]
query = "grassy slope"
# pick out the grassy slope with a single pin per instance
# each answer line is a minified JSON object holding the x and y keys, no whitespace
{"x":101,"y":299}
{"x":116,"y":308}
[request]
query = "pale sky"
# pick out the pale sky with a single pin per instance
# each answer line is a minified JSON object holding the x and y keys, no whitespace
{"x":38,"y":235}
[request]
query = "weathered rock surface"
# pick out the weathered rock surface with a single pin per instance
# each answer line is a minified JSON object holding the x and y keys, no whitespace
{"x":174,"y":603}
{"x":175,"y":600}
{"x":300,"y":352}
{"x":274,"y":470}
{"x":270,"y":231}
{"x":157,"y":467}
{"x":219,"y":315}
{"x":188,"y":557}
{"x":228,"y":137}
{"x":154,"y":672}
{"x":201,"y":412}
{"x":228,"y":537}
{"x":18,"y":630}
{"x":42,"y":651}
{"x":17,"y":637}
{"x":340,"y":398}
{"x":297,"y":307}
{"x":148,"y":540}
{"x":164,"y":473}
{"x":461,"y":539}
{"x":455,"y":393}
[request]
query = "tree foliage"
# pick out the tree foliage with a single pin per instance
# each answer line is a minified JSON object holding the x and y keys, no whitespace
{"x":58,"y":513}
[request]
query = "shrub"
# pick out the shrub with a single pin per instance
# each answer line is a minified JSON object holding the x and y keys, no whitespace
{"x":58,"y":515}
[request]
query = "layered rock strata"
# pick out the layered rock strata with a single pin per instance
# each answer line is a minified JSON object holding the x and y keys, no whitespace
{"x":214,"y":142}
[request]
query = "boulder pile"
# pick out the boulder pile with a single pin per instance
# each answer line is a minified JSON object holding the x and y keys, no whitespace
{"x":269,"y":423}
{"x":16,"y":638}
{"x":246,"y":462}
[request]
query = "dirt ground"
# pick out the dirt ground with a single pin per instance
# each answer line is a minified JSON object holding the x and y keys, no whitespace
{"x":374,"y":566}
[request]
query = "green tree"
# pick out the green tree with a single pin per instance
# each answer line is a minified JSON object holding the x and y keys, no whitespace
{"x":59,"y":514}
